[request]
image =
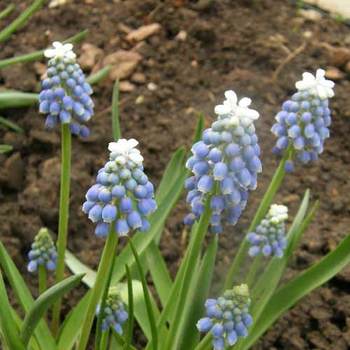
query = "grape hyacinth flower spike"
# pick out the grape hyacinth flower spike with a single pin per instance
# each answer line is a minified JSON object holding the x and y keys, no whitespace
{"x":303,"y":124}
{"x":43,"y":252}
{"x":114,"y":314}
{"x":224,"y":164}
{"x":227,"y":318}
{"x":269,"y":238}
{"x":122,"y":196}
{"x":65,"y":94}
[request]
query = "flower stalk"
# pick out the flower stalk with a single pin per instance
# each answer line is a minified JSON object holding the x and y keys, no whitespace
{"x":99,"y":286}
{"x":63,"y":216}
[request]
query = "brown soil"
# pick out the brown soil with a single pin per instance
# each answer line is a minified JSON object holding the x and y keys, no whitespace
{"x":230,"y":44}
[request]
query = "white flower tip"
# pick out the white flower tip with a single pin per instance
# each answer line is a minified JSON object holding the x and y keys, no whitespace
{"x":278,"y":213}
{"x":124,"y":150}
{"x":316,"y":85}
{"x":60,"y":50}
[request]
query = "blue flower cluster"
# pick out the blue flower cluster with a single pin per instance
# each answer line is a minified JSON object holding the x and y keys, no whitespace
{"x":65,"y":95}
{"x":123,"y":196}
{"x":303,"y":124}
{"x":43,"y":252}
{"x":227,"y":318}
{"x":225,"y":164}
{"x":269,"y":238}
{"x":114,"y":313}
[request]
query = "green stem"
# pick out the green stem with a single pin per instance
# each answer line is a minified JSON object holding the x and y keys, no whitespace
{"x":63,"y":216}
{"x":260,"y":213}
{"x":20,"y":20}
{"x":42,"y":279}
{"x":115,"y":112}
{"x":99,"y":286}
{"x":253,"y":270}
{"x":104,"y":340}
{"x":7,"y":11}
{"x":194,"y":251}
{"x":37,"y":55}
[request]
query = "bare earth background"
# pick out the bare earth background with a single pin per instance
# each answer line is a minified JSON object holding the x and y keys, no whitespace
{"x":180,"y":69}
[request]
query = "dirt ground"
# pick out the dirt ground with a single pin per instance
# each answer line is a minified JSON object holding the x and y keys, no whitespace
{"x":182,"y":69}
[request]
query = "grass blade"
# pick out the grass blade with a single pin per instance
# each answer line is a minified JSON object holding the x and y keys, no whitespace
{"x":130,"y":311}
{"x":22,"y":293}
{"x":159,"y":272}
{"x":151,"y":316}
{"x":115,"y":112}
{"x":7,"y":323}
{"x":21,"y":19}
{"x":37,"y":55}
{"x":71,"y":327}
{"x":42,"y":304}
{"x":189,"y":335}
{"x":4,"y":13}
{"x":5,"y":148}
{"x":10,"y":125}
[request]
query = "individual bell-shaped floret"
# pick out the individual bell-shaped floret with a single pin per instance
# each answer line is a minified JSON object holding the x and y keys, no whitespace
{"x":227,"y":318}
{"x":122,"y":196}
{"x":114,"y":314}
{"x":269,"y":237}
{"x":224,"y":164}
{"x":65,"y":94}
{"x":303,"y":124}
{"x":43,"y":252}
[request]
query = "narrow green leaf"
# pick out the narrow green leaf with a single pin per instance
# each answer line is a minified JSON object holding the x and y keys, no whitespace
{"x":117,"y":134}
{"x":21,"y":20}
{"x":130,"y":311}
{"x":151,"y":316}
{"x":199,"y":128}
{"x":99,"y":75}
{"x":159,"y":272}
{"x":22,"y":293}
{"x":16,"y":99}
{"x":11,"y":99}
{"x":5,"y":148}
{"x":37,"y":55}
{"x":4,"y":13}
{"x":194,"y":249}
{"x":7,"y":323}
{"x":77,"y":267}
{"x":10,"y":125}
{"x":42,"y":304}
{"x":71,"y":327}
{"x":172,"y":172}
{"x":194,"y":309}
{"x":297,"y":288}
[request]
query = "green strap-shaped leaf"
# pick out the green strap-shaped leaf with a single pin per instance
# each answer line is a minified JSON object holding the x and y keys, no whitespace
{"x":147,"y":298}
{"x":194,"y":250}
{"x":159,"y":272}
{"x":10,"y":125}
{"x":21,"y":20}
{"x":7,"y":323}
{"x":16,"y":99}
{"x":71,"y":327}
{"x":117,"y":134}
{"x":5,"y":148}
{"x":194,"y":309}
{"x":297,"y":288}
{"x":42,"y":304}
{"x":4,"y":13}
{"x":37,"y":55}
{"x":22,"y":293}
{"x":130,"y":326}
